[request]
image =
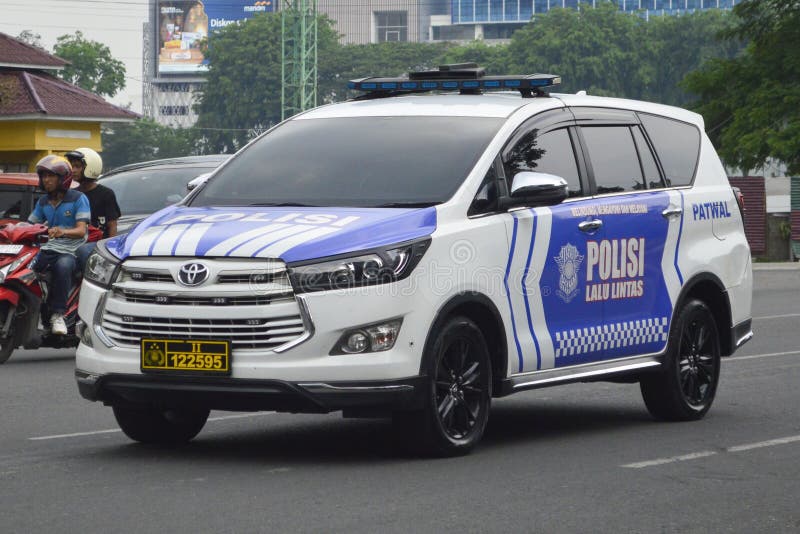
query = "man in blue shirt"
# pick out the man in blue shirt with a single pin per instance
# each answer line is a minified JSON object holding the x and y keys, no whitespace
{"x":67,"y":213}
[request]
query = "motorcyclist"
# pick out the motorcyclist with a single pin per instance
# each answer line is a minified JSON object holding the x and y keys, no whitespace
{"x":86,"y":168}
{"x":66,"y":212}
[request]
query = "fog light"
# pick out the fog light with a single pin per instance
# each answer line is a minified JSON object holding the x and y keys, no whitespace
{"x":84,"y":333}
{"x":371,"y":338}
{"x":356,"y":342}
{"x":382,"y":337}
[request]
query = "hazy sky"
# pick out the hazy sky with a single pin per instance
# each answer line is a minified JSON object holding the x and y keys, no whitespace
{"x":115,"y":23}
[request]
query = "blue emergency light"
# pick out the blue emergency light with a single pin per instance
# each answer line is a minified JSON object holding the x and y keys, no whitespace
{"x":466,"y":78}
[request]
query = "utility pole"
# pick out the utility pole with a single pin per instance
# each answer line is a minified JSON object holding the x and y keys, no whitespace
{"x":299,"y":56}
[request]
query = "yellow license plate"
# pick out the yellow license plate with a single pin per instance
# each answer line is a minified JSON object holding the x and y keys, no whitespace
{"x":184,"y":355}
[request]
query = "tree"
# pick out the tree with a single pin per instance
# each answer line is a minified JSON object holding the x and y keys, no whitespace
{"x":92,"y":66}
{"x":493,"y":58}
{"x":592,"y":49}
{"x":145,"y":140}
{"x":751,"y":103}
{"x":242,"y":97}
{"x":31,"y":38}
{"x":349,"y":62}
{"x":673,"y":46}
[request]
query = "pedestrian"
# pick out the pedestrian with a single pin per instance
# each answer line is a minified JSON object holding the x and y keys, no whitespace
{"x":86,"y":168}
{"x":66,"y":213}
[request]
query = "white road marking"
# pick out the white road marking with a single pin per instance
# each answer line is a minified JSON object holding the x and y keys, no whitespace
{"x":671,"y":459}
{"x":703,"y":454}
{"x":768,"y":443}
{"x":765,"y":317}
{"x":114,"y":430}
{"x":767,"y":355}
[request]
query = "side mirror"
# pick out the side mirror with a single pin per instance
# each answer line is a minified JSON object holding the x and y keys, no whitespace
{"x":536,"y":189}
{"x":200,"y":180}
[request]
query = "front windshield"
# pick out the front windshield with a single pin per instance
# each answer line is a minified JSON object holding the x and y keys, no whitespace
{"x":353,"y":161}
{"x":147,"y":190}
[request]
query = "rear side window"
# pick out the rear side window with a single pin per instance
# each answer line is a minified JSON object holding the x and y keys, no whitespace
{"x":615,"y":162}
{"x":677,"y":145}
{"x":649,"y":167}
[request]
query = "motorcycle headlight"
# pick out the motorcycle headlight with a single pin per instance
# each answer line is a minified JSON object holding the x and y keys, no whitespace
{"x":101,"y":267}
{"x":13,"y":266}
{"x":377,"y":267}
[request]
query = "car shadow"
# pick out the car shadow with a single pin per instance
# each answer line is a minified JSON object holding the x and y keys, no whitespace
{"x":331,"y":439}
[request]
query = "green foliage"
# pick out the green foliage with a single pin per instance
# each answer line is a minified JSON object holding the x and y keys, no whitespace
{"x":608,"y":52}
{"x":751,"y":103}
{"x":243,"y":95}
{"x":494,"y":58}
{"x":592,"y":49}
{"x":31,"y":38}
{"x":347,"y":62}
{"x":91,"y":65}
{"x":672,"y":47}
{"x":144,"y":140}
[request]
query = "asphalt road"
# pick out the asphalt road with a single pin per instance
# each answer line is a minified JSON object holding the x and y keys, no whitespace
{"x":578,"y":458}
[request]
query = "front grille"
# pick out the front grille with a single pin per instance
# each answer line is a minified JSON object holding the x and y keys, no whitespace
{"x":255,"y":333}
{"x":249,"y":302}
{"x":200,"y":300}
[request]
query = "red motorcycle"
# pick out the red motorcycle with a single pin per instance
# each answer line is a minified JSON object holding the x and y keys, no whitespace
{"x":23,"y":294}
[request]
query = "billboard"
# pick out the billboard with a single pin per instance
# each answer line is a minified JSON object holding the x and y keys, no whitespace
{"x":184,"y":24}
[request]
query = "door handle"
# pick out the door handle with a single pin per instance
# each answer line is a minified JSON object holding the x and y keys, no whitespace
{"x":590,"y":226}
{"x":671,"y":211}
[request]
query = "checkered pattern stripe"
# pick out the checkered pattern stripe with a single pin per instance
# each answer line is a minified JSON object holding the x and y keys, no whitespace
{"x":595,"y":338}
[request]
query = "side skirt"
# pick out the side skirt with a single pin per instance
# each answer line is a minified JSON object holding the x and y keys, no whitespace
{"x":607,"y":370}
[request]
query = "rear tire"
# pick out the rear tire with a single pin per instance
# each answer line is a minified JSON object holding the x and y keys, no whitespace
{"x":161,"y":426}
{"x":684,"y":388}
{"x":458,"y":394}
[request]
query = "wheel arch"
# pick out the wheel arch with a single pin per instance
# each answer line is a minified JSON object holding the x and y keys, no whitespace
{"x":708,"y":288}
{"x":482,"y":311}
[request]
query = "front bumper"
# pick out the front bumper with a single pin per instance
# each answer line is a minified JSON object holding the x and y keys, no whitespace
{"x":253,"y":395}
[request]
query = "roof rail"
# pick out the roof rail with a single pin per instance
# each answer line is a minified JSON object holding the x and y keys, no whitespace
{"x":467,"y":78}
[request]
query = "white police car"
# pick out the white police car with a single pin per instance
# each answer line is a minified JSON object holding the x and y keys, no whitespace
{"x":414,"y":255}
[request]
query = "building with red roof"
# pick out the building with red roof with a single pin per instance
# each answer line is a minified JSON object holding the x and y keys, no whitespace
{"x":41,"y":114}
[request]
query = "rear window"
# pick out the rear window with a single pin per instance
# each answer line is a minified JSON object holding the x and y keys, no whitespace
{"x":677,"y":145}
{"x":353,"y":161}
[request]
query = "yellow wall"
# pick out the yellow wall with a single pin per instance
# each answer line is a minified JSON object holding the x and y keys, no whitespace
{"x":28,"y":141}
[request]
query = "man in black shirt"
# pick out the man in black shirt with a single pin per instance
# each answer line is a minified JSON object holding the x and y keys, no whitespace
{"x":86,"y":168}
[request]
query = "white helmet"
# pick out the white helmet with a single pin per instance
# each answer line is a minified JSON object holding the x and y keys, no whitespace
{"x":92,"y":162}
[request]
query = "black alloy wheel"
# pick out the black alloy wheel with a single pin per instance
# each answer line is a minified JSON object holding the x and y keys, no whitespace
{"x":458,"y":398}
{"x":459,"y":388}
{"x":685,"y":386}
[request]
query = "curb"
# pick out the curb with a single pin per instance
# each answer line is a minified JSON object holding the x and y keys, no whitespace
{"x":777,"y":266}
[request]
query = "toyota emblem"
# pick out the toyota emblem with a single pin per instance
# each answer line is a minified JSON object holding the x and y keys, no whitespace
{"x":193,"y":274}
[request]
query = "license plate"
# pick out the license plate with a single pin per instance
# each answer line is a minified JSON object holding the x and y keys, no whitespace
{"x":10,"y":249}
{"x":186,"y":356}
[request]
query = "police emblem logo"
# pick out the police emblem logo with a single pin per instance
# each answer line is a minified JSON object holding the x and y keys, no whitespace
{"x":68,"y":213}
{"x":154,"y":356}
{"x":569,"y":261}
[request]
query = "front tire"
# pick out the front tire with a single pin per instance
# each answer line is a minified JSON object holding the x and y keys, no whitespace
{"x":7,"y":343}
{"x":684,"y":388}
{"x":161,"y":426}
{"x":458,"y":396}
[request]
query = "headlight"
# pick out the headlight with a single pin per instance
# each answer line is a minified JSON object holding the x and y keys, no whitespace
{"x":100,"y":267}
{"x":378,"y":267}
{"x":13,"y":266}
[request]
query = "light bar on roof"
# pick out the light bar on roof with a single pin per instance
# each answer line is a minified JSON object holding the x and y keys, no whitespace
{"x":534,"y":82}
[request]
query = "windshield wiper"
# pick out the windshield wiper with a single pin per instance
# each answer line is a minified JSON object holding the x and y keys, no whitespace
{"x":407,"y":205}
